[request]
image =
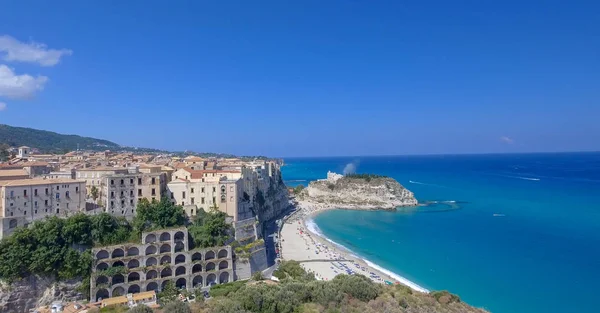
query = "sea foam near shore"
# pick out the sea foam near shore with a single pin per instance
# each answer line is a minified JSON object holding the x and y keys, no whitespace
{"x":314,"y":228}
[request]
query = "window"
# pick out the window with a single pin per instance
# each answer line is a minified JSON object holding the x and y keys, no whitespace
{"x":58,"y":196}
{"x":57,"y":187}
{"x":214,"y":189}
{"x":35,"y":204}
{"x":67,"y":194}
{"x":231,"y":188}
{"x":112,"y":194}
{"x":35,"y":192}
{"x":183,"y":194}
{"x":192,"y":212}
{"x":112,"y":204}
{"x":153,"y":181}
{"x":223,"y":190}
{"x":122,"y":203}
{"x":112,"y":181}
{"x":46,"y":202}
{"x":139,"y":192}
{"x":12,"y":223}
{"x":153,"y":192}
{"x":46,"y":191}
{"x":67,"y":205}
{"x":182,"y":202}
{"x":214,"y":200}
{"x":24,"y":212}
{"x":223,"y":199}
{"x":202,"y":200}
{"x":25,"y":204}
{"x":202,"y":190}
{"x":131,"y":180}
{"x":122,"y":182}
{"x":77,"y":189}
{"x":192,"y":200}
{"x":57,"y":211}
{"x":35,"y":212}
{"x":131,"y":193}
{"x":131,"y":201}
{"x":139,"y":180}
{"x":171,"y":196}
{"x":12,"y":194}
{"x":192,"y":190}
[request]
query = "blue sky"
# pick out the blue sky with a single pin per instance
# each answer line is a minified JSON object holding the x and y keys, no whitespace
{"x":307,"y":78}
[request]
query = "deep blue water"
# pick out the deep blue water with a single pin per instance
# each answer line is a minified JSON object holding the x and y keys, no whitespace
{"x":542,"y":254}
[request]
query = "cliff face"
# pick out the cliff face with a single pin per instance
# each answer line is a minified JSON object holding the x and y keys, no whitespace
{"x":365,"y":193}
{"x":271,"y":198}
{"x":35,"y":291}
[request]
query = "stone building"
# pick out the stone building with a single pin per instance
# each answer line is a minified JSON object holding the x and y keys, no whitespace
{"x":26,"y":200}
{"x":118,"y":194}
{"x":163,"y":256}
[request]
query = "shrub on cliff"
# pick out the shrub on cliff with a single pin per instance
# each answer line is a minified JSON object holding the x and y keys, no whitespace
{"x":141,"y":309}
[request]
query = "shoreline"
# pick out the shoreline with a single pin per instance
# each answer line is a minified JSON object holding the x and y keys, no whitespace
{"x":301,"y":241}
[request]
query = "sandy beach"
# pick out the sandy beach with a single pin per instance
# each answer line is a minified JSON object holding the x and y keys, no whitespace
{"x":321,"y":257}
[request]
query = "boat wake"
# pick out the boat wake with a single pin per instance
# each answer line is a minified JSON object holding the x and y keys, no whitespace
{"x":426,"y":184}
{"x":313,"y":228}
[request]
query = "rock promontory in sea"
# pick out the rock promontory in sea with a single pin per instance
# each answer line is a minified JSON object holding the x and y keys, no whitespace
{"x":358,"y":191}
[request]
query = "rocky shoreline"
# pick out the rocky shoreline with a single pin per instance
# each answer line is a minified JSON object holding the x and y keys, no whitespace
{"x":357,"y":192}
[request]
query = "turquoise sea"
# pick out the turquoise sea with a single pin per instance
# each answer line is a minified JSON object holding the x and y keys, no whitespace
{"x":509,"y":233}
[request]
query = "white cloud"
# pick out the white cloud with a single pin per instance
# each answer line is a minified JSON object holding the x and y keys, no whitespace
{"x":507,"y":140}
{"x":2,"y":106}
{"x":33,"y":52}
{"x":19,"y":86}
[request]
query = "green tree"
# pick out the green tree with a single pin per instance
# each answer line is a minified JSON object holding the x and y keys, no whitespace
{"x":168,"y":294}
{"x":94,"y":193}
{"x":210,"y":229}
{"x":158,"y":214}
{"x":78,"y":230}
{"x":140,"y":308}
{"x":177,"y":307}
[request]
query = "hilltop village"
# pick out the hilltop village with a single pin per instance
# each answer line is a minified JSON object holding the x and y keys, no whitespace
{"x":247,"y":192}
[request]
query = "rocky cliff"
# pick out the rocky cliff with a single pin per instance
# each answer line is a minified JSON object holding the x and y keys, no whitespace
{"x":363,"y":192}
{"x":36,"y":291}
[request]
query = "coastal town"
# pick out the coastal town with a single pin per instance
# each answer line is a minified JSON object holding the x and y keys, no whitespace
{"x":139,"y":271}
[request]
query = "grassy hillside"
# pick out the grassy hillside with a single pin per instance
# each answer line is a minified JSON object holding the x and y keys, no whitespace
{"x":47,"y":141}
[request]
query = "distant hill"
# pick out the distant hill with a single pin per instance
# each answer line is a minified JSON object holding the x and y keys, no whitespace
{"x":47,"y":141}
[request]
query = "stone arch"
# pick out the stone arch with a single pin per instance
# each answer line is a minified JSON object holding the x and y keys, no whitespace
{"x":152,"y":286}
{"x":223,"y":265}
{"x":133,"y":251}
{"x":209,"y":255}
{"x":166,"y":259}
{"x":102,"y":294}
{"x":165,"y":248}
{"x":151,"y":261}
{"x":180,"y":259}
{"x":222,"y":254}
{"x":164,"y":284}
{"x":224,"y":278}
{"x":150,"y":250}
{"x":210,"y":279}
{"x":118,"y":253}
{"x":100,"y":280}
{"x":133,"y":276}
{"x":179,"y":246}
{"x":12,"y":223}
{"x":133,"y":263}
{"x":118,"y":264}
{"x":180,"y":271}
{"x":197,"y":282}
{"x":118,"y":291}
{"x":150,"y":238}
{"x":133,"y":289}
{"x":101,"y":266}
{"x":102,"y":254}
{"x":151,"y":275}
{"x":197,"y":268}
{"x":179,"y":236}
{"x":118,"y":279}
{"x":165,"y":236}
{"x":210,"y":266}
{"x":166,"y":272}
{"x":196,"y":257}
{"x":181,"y":283}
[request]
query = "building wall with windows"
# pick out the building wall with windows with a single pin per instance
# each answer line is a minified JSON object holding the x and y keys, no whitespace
{"x":163,"y":256}
{"x":93,"y":176}
{"x":119,"y":194}
{"x":27,"y":200}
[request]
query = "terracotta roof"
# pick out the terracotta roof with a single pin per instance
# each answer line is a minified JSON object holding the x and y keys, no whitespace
{"x":114,"y":300}
{"x":143,"y":295}
{"x":13,"y":172}
{"x":10,"y":166}
{"x":35,"y":163}
{"x":39,"y":181}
